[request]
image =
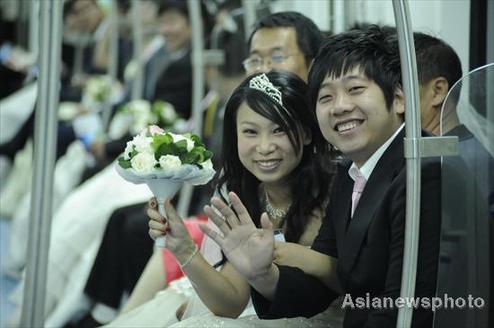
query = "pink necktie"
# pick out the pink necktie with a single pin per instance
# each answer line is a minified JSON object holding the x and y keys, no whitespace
{"x":358,"y":187}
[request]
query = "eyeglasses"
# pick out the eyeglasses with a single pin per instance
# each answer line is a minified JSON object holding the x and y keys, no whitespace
{"x":255,"y":63}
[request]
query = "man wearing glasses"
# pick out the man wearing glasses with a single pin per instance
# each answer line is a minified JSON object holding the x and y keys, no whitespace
{"x":286,"y":41}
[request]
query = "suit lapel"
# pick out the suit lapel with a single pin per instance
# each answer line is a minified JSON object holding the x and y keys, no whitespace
{"x":381,"y":178}
{"x":342,"y":199}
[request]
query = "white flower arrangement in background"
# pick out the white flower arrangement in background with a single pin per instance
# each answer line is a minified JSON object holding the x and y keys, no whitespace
{"x":138,"y":114}
{"x":100,"y":89}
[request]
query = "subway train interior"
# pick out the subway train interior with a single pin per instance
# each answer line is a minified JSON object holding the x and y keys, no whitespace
{"x":131,"y":132}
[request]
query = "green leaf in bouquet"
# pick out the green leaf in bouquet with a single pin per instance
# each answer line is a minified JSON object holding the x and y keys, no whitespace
{"x":165,"y":149}
{"x":201,"y":154}
{"x":197,"y":141}
{"x":190,"y":158}
{"x":125,"y":164}
{"x":207,"y":155}
{"x":181,"y":146}
{"x":160,"y":139}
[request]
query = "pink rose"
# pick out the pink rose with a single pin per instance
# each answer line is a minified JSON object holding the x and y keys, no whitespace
{"x":154,"y":129}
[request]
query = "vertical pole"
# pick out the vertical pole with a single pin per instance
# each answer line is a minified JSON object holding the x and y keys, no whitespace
{"x":339,"y":18}
{"x":138,"y":85}
{"x":34,"y":28}
{"x":194,"y":7}
{"x":44,"y":162}
{"x":413,"y":134}
{"x":249,"y":16}
{"x":113,"y":62}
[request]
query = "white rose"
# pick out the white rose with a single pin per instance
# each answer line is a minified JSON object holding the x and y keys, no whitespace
{"x":169,"y":162}
{"x":178,"y":137}
{"x":143,"y":162}
{"x":128,"y":149}
{"x":207,"y":164}
{"x":143,"y":144}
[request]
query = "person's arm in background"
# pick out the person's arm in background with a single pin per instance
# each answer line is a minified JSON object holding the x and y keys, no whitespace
{"x":310,"y":261}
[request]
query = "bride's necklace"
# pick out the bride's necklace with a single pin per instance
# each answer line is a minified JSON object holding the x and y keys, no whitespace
{"x":274,"y":213}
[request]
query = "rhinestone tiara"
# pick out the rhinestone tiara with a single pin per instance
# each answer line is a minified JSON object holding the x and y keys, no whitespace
{"x":262,"y":83}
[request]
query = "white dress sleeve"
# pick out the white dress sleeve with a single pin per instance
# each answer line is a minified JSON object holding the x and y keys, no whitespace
{"x":209,"y":249}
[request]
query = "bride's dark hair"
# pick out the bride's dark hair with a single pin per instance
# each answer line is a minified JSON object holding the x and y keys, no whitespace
{"x":310,"y":180}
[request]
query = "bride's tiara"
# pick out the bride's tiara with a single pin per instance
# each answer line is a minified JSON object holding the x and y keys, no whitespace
{"x":262,"y":83}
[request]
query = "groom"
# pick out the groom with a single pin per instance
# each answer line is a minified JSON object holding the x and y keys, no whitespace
{"x":355,"y":90}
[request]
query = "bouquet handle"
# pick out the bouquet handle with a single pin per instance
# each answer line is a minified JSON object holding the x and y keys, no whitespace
{"x":161,"y":241}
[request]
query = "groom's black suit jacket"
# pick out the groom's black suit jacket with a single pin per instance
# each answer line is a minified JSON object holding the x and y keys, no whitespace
{"x":369,"y":246}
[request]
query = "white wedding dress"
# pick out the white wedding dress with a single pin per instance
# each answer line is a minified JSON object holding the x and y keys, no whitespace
{"x":331,"y":318}
{"x":77,"y":230}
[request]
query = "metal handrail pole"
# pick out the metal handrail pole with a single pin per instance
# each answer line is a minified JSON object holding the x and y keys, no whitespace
{"x":34,"y":28}
{"x":113,"y":60}
{"x":413,"y":162}
{"x":249,"y":16}
{"x":115,"y":32}
{"x":198,"y":85}
{"x":45,"y":133}
{"x":137,"y":36}
{"x":339,"y":17}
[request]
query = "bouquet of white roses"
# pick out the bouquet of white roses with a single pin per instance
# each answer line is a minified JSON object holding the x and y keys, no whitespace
{"x":156,"y":150}
{"x":164,"y":161}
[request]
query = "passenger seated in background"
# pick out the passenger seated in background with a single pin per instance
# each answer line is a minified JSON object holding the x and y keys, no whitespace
{"x":77,"y":216}
{"x":275,"y":157}
{"x":82,"y":18}
{"x":284,"y":41}
{"x":84,"y":25}
{"x":168,"y":75}
{"x":355,"y":90}
{"x":439,"y":68}
{"x":465,"y":232}
{"x":167,"y":72}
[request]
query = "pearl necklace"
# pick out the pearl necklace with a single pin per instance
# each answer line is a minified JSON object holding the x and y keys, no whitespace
{"x":274,"y":213}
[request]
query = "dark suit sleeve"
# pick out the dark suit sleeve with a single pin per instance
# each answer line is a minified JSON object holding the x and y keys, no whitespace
{"x":428,"y":251}
{"x":325,"y":241}
{"x":297,"y":293}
